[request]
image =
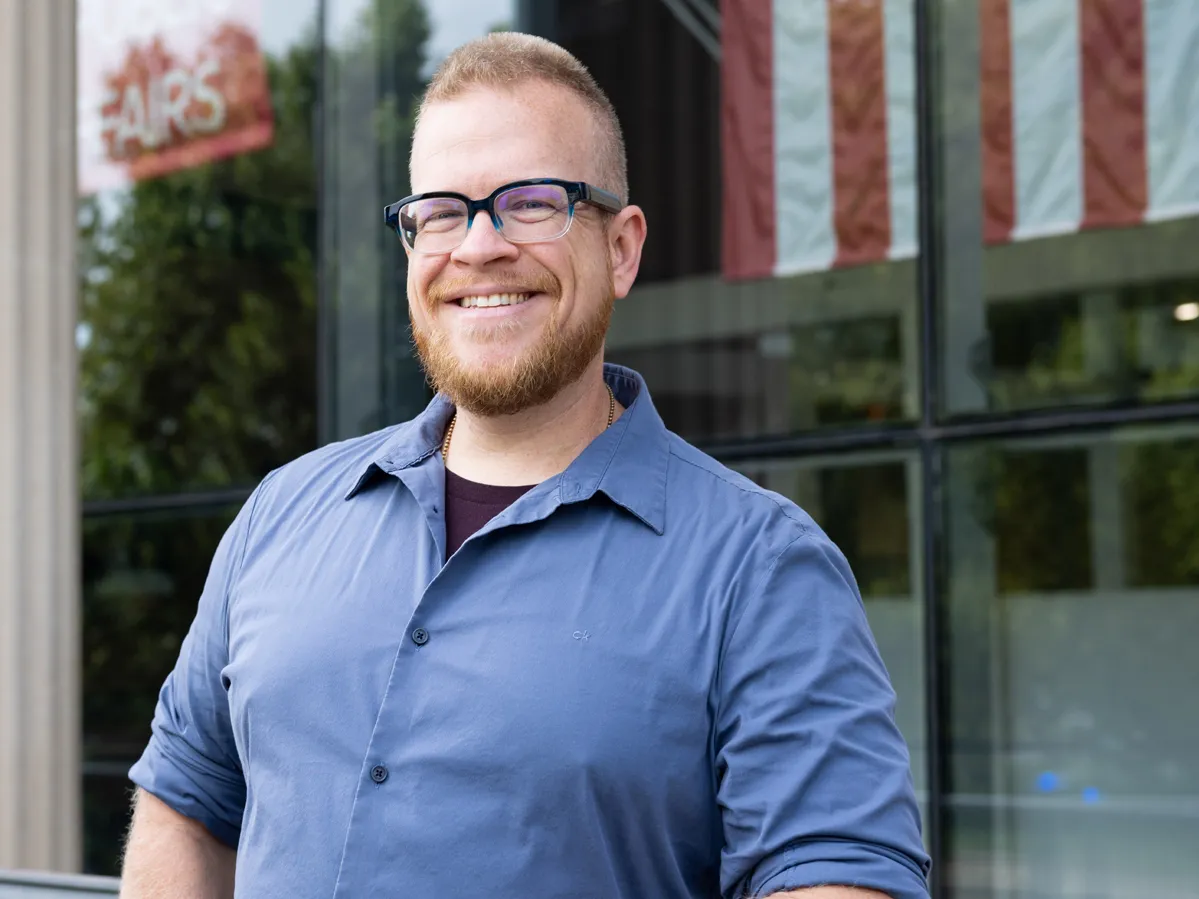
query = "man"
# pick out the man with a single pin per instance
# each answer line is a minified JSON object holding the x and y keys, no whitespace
{"x":530,"y":644}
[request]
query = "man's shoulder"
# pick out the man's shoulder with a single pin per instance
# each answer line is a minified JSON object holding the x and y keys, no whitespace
{"x":704,"y":486}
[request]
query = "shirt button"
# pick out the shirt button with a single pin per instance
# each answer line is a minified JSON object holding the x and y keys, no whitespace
{"x":420,"y":636}
{"x":378,"y":774}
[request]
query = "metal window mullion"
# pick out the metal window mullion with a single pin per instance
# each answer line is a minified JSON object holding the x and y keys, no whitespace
{"x":205,"y":500}
{"x":325,"y":344}
{"x":929,"y":290}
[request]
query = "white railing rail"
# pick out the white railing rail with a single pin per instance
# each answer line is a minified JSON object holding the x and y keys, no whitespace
{"x":43,"y":885}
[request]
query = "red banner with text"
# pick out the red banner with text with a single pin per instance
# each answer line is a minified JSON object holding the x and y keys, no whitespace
{"x":167,"y":86}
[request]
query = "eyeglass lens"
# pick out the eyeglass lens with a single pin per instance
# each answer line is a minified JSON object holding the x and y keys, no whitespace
{"x":535,"y":212}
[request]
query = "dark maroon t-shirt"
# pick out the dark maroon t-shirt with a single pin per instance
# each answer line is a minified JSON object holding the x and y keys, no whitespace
{"x":469,"y":506}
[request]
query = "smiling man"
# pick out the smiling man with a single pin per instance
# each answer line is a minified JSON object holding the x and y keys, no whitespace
{"x":529,"y":645}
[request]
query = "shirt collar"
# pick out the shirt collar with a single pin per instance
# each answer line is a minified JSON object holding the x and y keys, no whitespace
{"x":627,"y":463}
{"x":411,"y":443}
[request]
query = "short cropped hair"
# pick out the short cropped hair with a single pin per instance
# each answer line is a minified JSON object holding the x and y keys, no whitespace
{"x":507,"y":59}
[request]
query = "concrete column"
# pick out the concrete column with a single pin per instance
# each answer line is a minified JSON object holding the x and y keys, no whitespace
{"x":40,"y":821}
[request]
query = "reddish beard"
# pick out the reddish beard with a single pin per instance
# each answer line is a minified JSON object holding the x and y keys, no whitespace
{"x":527,"y":379}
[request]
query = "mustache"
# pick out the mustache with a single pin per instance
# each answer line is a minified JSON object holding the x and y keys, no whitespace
{"x":441,"y":290}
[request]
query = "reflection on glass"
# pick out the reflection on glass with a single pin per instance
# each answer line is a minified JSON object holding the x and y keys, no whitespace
{"x":1126,"y":342}
{"x":142,"y":578}
{"x":1024,"y":560}
{"x":736,"y":361}
{"x":868,"y":505}
{"x":1070,"y":194}
{"x":380,"y":56}
{"x":197,"y":329}
{"x":726,"y":359}
{"x":827,"y":335}
{"x":1073,"y":598}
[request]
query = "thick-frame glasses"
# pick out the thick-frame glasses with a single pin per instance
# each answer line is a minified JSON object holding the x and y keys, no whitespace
{"x":530,"y":211}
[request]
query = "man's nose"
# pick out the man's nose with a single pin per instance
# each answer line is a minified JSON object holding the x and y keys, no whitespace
{"x":483,"y":243}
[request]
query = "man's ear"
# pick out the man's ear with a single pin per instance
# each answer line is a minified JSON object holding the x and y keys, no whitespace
{"x":626,"y":238}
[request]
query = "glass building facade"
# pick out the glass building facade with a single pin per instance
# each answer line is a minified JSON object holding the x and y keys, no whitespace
{"x":981,"y":378}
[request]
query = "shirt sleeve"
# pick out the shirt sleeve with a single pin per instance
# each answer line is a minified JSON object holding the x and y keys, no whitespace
{"x":814,"y":777}
{"x":191,"y":762}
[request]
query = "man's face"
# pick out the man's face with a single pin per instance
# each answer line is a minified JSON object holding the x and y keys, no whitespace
{"x":501,"y":359}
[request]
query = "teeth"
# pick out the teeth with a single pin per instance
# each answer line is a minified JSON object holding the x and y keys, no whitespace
{"x":495,"y":299}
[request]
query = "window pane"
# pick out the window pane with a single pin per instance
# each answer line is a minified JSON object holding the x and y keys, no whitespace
{"x":1024,"y":560}
{"x":142,"y":578}
{"x":771,"y":299}
{"x":869,"y":506}
{"x":776,"y":293}
{"x":197,"y":327}
{"x":1073,"y":597}
{"x":379,"y":57}
{"x":1071,"y":212}
{"x":107,"y":804}
{"x":730,"y":361}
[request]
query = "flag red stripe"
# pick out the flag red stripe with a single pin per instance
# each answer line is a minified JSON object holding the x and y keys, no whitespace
{"x":749,"y":242}
{"x":858,"y":80}
{"x":998,"y":174}
{"x":1115,"y":172}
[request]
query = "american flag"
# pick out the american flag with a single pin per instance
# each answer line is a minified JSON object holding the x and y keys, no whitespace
{"x":1089,"y":114}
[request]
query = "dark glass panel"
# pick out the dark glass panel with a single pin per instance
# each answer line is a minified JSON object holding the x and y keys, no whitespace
{"x":142,"y":577}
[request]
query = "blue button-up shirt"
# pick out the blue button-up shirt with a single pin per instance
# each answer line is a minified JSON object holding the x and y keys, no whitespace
{"x":647,"y":678}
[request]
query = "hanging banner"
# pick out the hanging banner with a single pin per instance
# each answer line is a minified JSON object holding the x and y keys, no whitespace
{"x":164,"y":86}
{"x":1090,"y":114}
{"x":1088,"y":108}
{"x":818,"y":134}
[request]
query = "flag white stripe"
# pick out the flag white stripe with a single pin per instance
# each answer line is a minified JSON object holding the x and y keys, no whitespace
{"x":803,"y":147}
{"x":900,"y":42}
{"x":1047,"y":117}
{"x":1172,"y":107}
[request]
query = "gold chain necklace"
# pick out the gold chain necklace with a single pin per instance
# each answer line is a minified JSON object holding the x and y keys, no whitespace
{"x":449,"y":432}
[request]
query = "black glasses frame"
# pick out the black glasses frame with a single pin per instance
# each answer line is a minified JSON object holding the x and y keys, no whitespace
{"x":576,"y":192}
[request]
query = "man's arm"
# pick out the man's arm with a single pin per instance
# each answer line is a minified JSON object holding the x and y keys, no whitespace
{"x":169,"y":855}
{"x":814,"y":782}
{"x":188,"y":810}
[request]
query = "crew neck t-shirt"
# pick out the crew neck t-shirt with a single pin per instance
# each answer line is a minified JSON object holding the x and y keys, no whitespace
{"x":470,"y":505}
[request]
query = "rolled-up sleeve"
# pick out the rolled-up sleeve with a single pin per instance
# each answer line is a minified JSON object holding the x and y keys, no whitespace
{"x":814,"y":777}
{"x":191,"y":761}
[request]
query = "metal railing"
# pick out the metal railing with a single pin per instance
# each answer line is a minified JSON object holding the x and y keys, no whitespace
{"x":42,"y":885}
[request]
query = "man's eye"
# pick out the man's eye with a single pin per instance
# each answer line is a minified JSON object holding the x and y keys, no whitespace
{"x":439,"y":221}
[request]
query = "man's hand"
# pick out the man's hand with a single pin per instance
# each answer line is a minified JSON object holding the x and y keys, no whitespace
{"x":169,"y":855}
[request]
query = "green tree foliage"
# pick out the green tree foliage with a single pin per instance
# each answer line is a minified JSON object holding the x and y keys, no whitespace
{"x":198,"y":301}
{"x":198,"y":309}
